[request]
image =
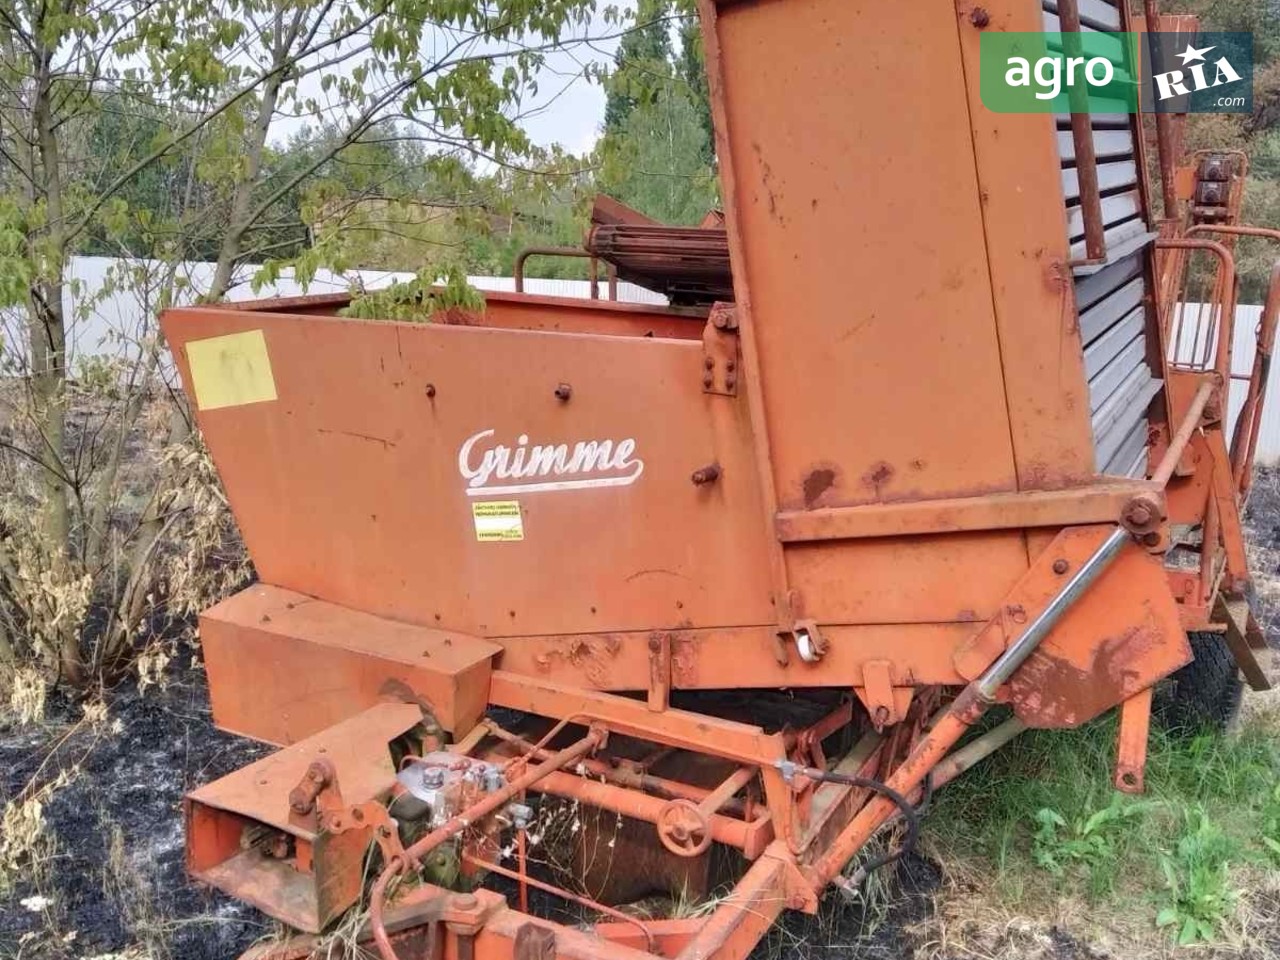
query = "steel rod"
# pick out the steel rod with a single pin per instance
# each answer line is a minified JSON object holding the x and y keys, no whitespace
{"x":1227,"y":305}
{"x":642,"y":806}
{"x":518,"y":268}
{"x":1095,"y":243}
{"x":1245,"y":439}
{"x":564,"y":894}
{"x":729,"y":788}
{"x":634,"y":780}
{"x":1164,"y":129}
{"x":1178,"y":442}
{"x":1008,"y":662}
{"x":975,"y":751}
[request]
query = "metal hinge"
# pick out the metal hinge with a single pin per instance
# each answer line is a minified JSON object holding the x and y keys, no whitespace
{"x":721,"y":357}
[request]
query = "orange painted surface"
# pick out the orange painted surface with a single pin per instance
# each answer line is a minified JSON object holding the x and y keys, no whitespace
{"x":349,"y":486}
{"x":885,"y":440}
{"x":327,"y":663}
{"x":861,"y":258}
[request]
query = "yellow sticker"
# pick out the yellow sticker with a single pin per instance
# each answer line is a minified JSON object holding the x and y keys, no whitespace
{"x":231,"y":370}
{"x":498,"y":520}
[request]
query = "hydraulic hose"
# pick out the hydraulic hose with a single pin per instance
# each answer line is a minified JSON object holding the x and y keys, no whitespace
{"x":849,"y":886}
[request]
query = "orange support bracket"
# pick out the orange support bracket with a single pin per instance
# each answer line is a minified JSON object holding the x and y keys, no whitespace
{"x":1131,"y":742}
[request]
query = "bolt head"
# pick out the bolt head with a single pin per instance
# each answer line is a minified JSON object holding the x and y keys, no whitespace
{"x":1060,"y":566}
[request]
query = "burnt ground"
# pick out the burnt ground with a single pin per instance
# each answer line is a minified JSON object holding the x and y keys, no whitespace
{"x":114,"y":874}
{"x":106,"y":881}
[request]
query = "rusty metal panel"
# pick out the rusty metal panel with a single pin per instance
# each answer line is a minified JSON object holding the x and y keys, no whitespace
{"x":1122,"y":636}
{"x":355,"y":747}
{"x":327,"y":663}
{"x":946,"y":577}
{"x":349,"y":486}
{"x":885,"y":383}
{"x":1024,"y":223}
{"x":739,"y":658}
{"x":313,"y":875}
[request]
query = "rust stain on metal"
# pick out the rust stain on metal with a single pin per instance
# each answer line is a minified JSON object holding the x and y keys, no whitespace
{"x":879,"y":475}
{"x":817,"y":482}
{"x":1063,"y":691}
{"x":684,"y":661}
{"x":591,"y":656}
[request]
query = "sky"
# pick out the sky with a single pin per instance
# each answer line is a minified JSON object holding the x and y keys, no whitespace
{"x":568,"y":109}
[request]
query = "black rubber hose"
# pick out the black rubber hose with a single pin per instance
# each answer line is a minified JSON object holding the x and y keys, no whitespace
{"x":909,"y":813}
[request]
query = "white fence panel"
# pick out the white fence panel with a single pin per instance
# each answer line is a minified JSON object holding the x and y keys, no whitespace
{"x":112,"y":302}
{"x":112,"y":324}
{"x":1244,"y":345}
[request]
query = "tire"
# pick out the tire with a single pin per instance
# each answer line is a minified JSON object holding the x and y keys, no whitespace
{"x":1205,"y":694}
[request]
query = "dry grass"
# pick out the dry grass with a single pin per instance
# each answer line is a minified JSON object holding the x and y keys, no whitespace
{"x":973,"y":920}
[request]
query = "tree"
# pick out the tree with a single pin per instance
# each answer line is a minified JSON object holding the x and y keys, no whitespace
{"x":658,"y":163}
{"x":693,"y":72}
{"x":657,"y":153}
{"x":642,"y":64}
{"x":144,"y":128}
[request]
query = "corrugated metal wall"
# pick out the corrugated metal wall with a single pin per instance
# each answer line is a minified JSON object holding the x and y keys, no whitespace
{"x":1110,"y":298}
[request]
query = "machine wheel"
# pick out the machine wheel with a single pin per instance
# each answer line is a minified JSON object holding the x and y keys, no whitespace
{"x":1206,"y":693}
{"x":683,"y":829}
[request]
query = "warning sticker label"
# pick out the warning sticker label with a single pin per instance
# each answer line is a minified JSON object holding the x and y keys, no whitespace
{"x":498,"y":520}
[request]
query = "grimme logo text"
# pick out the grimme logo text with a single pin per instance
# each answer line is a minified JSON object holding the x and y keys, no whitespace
{"x":542,"y":467}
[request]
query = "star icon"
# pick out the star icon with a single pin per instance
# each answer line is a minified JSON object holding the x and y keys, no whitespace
{"x":1191,"y":53}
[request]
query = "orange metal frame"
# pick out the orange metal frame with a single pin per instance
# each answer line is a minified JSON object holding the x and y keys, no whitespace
{"x":856,"y":477}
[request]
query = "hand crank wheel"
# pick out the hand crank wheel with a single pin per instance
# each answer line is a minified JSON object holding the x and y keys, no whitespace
{"x":683,"y":829}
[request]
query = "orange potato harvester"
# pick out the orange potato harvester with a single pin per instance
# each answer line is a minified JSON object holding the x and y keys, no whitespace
{"x":925,"y":431}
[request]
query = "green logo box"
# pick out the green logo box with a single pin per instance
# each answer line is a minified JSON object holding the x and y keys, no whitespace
{"x":1116,"y":73}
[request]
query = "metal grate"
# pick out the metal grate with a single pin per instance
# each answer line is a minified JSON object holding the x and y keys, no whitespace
{"x":1110,"y":298}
